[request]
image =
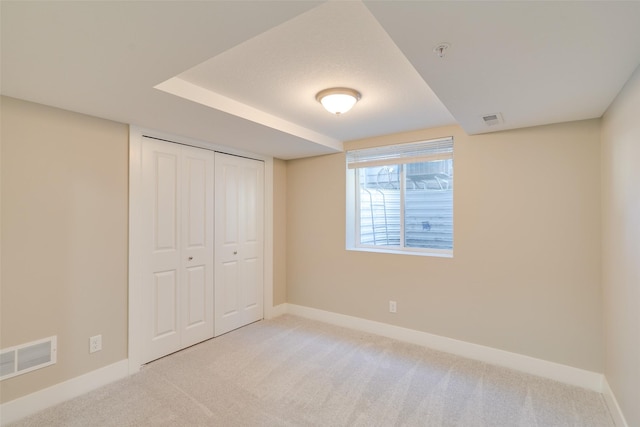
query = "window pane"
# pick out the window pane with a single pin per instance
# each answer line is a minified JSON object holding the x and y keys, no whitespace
{"x":380,"y":205}
{"x":429,"y":205}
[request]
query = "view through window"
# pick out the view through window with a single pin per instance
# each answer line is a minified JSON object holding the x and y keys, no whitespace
{"x":403,"y":197}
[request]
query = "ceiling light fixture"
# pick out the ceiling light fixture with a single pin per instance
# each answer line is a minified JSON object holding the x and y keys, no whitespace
{"x":338,"y":100}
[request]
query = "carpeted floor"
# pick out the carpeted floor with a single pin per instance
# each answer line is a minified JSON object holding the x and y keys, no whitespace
{"x":291,"y":371}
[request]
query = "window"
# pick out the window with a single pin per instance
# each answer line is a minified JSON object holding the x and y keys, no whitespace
{"x":400,"y":198}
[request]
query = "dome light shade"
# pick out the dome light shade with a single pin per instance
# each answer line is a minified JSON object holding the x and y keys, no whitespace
{"x":338,"y":100}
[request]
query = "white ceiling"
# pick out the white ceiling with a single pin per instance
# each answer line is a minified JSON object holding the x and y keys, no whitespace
{"x":245,"y":74}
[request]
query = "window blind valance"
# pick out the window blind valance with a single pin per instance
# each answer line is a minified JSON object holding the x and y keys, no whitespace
{"x":413,"y":152}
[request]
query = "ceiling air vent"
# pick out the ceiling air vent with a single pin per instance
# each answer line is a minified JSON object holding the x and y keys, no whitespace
{"x":492,"y":119}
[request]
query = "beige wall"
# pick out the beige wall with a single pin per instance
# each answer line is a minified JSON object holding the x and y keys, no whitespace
{"x":64,"y":238}
{"x":525,"y":276}
{"x":621,"y":247}
{"x":279,"y":232}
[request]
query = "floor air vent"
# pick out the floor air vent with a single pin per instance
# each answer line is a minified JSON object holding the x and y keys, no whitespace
{"x":28,"y":357}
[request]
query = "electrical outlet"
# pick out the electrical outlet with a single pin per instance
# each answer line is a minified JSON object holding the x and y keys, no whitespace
{"x":392,"y":307}
{"x":95,"y":343}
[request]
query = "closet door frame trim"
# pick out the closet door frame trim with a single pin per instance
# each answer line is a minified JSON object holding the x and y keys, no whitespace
{"x":135,"y":236}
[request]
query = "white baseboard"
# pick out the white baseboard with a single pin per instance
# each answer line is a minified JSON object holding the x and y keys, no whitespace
{"x":542,"y":368}
{"x":22,"y":407}
{"x":612,"y":403}
{"x":278,"y":310}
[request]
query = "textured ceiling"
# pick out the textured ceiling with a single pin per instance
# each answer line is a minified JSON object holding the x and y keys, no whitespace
{"x":245,"y":74}
{"x":335,"y":45}
{"x":536,"y":62}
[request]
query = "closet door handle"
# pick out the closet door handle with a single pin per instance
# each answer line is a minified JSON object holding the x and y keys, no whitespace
{"x":235,"y":252}
{"x":190,"y":258}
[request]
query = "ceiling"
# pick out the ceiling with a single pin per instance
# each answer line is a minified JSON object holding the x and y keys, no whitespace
{"x":245,"y":74}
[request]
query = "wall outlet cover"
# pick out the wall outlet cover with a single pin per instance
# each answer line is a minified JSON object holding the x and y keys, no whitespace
{"x":95,"y":343}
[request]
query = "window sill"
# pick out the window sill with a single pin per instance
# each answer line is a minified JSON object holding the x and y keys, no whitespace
{"x":430,"y":253}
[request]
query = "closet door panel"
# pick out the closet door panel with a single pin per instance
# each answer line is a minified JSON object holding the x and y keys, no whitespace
{"x":239,"y":243}
{"x":177,"y":263}
{"x":197,"y":245}
{"x":165,"y":322}
{"x":252,"y":296}
{"x":196,"y":297}
{"x":161,"y":258}
{"x":229,"y":297}
{"x":252,"y":242}
{"x":164,"y":182}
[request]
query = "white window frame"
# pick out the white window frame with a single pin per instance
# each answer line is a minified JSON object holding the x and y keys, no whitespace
{"x":401,"y":154}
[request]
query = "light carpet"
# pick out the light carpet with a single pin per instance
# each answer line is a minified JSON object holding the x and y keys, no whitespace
{"x":291,"y":371}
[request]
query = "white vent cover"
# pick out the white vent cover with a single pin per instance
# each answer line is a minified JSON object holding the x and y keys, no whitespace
{"x":28,"y":357}
{"x":492,"y":119}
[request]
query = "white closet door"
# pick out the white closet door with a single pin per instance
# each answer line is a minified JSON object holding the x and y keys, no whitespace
{"x":177,"y":261}
{"x":239,"y":239}
{"x":197,"y":245}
